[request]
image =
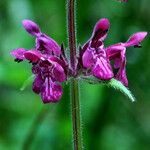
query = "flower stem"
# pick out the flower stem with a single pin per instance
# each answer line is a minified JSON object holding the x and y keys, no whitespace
{"x":75,"y":103}
{"x":76,"y":121}
{"x":72,"y":34}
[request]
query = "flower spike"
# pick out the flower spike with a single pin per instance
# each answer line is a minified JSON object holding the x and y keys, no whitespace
{"x":48,"y":67}
{"x":96,"y":58}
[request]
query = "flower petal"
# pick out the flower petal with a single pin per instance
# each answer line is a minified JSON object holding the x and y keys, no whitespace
{"x":117,"y":53}
{"x":100,"y":31}
{"x":114,"y":52}
{"x":37,"y":84}
{"x":18,"y":53}
{"x":102,"y":69}
{"x":51,"y":91}
{"x":121,"y":76}
{"x":33,"y":56}
{"x":31,"y":27}
{"x":88,"y":58}
{"x":136,"y":39}
{"x":59,"y":74}
{"x":36,"y":69}
{"x":61,"y":62}
{"x":48,"y":45}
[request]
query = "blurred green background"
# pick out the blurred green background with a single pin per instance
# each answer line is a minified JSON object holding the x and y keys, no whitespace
{"x":109,"y":120}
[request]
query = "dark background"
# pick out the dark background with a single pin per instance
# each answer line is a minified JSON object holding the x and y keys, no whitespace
{"x":109,"y":120}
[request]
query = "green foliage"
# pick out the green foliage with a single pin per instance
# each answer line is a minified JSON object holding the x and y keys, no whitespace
{"x":119,"y":86}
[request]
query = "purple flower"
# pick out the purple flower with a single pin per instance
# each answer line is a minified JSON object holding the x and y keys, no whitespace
{"x":117,"y":53}
{"x":48,"y":64}
{"x":96,"y":58}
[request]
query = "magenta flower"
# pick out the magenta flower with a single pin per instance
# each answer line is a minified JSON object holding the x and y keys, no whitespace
{"x":48,"y":64}
{"x":96,"y":58}
{"x":117,"y":53}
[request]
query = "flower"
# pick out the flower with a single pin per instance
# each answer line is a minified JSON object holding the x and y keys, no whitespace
{"x":49,"y":65}
{"x":93,"y":53}
{"x":117,"y":53}
{"x":96,"y":58}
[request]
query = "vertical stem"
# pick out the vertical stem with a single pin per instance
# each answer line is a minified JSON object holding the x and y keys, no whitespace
{"x":75,"y":103}
{"x":77,"y":132}
{"x":72,"y":33}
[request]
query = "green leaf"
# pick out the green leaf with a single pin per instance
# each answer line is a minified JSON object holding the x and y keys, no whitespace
{"x":112,"y":83}
{"x":119,"y":86}
{"x":27,"y":82}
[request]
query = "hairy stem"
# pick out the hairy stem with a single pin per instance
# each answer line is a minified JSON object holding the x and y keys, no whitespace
{"x":75,"y":103}
{"x":76,"y":121}
{"x":72,"y":34}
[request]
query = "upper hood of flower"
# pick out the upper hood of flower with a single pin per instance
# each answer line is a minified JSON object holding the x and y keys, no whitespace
{"x":43,"y":42}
